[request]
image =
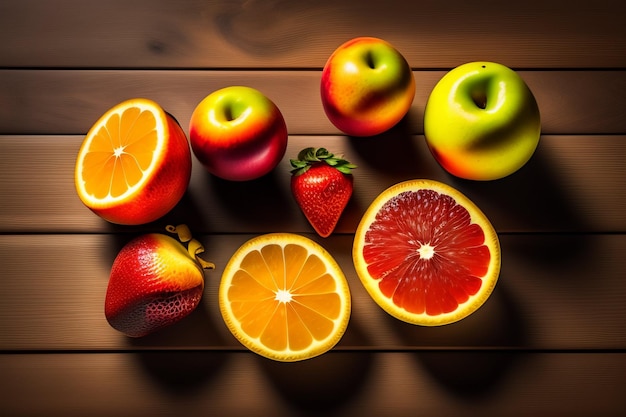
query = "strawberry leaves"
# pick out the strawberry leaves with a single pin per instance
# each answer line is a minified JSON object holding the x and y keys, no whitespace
{"x":309,"y":156}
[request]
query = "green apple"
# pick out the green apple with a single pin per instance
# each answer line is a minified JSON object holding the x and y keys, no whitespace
{"x":367,"y":87}
{"x":238,"y":133}
{"x":481,"y":121}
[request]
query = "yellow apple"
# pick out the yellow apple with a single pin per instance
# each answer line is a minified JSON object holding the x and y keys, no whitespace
{"x":481,"y":121}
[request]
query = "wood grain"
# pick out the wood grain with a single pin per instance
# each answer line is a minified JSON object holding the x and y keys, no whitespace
{"x":549,"y":342}
{"x":572,"y":184}
{"x":54,"y":287}
{"x":70,"y":101}
{"x":286,"y":34}
{"x":360,"y":384}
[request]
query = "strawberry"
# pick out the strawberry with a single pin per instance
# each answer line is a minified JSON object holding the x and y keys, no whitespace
{"x":155,"y":281}
{"x":321,"y":184}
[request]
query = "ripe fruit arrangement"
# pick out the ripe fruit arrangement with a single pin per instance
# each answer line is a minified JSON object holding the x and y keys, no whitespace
{"x":424,"y":252}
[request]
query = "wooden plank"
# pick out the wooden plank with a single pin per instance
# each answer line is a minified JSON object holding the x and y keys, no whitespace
{"x":554,"y":292}
{"x":70,"y":101}
{"x":336,"y":384}
{"x":572,"y":184}
{"x":261,"y":34}
{"x":550,"y":340}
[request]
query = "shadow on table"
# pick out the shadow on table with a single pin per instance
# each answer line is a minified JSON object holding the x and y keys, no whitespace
{"x":326,"y":383}
{"x":183,"y":373}
{"x":397,"y":153}
{"x":469,"y":375}
{"x":175,"y":357}
{"x":259,"y":205}
{"x":322,"y":384}
{"x":471,"y":357}
{"x":533,"y":199}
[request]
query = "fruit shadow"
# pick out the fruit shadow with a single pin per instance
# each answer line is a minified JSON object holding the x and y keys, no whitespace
{"x":188,"y":212}
{"x":215,"y":205}
{"x":256,"y":206}
{"x":119,"y":235}
{"x":472,"y":376}
{"x":471,"y":357}
{"x":175,"y":358}
{"x":533,"y":199}
{"x":323,"y":385}
{"x":533,"y":202}
{"x":171,"y":357}
{"x":320,"y":385}
{"x":185,"y":212}
{"x":183,"y":373}
{"x":179,"y":358}
{"x":393,"y":153}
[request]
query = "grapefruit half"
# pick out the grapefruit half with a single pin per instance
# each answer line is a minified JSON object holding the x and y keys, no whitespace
{"x":426,"y":254}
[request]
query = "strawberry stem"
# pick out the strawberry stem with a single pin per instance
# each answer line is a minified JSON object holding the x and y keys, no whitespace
{"x":308,"y":157}
{"x":193,"y":246}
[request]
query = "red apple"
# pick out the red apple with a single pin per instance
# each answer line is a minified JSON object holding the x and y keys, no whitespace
{"x":238,"y":134}
{"x":367,"y":87}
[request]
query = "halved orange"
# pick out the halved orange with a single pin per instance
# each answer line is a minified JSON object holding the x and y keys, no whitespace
{"x":426,"y":254}
{"x":284,"y":297}
{"x":134,"y":164}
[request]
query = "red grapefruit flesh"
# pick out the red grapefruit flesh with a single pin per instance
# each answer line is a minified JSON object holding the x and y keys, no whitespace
{"x":426,"y":254}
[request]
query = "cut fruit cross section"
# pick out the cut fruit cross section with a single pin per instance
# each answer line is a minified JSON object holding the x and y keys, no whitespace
{"x":284,"y":297}
{"x":426,"y":254}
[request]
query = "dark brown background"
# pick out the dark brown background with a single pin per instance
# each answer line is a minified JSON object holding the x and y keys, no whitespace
{"x":551,"y":339}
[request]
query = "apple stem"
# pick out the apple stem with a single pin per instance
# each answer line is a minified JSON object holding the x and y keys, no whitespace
{"x":228,"y":113}
{"x":193,"y":246}
{"x":370,"y":60}
{"x":480,"y":99}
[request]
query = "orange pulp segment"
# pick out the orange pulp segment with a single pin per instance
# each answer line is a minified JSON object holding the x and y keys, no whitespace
{"x":134,"y":164}
{"x":284,"y":297}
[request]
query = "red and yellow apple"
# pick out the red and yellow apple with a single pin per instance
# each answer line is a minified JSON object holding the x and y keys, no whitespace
{"x":238,"y":134}
{"x":481,"y":121}
{"x":367,"y":87}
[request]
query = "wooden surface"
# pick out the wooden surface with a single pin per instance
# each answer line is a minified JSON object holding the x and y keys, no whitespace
{"x":550,"y":341}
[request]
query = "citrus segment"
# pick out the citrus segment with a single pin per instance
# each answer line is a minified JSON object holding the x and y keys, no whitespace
{"x":284,"y":297}
{"x":426,"y":253}
{"x":134,"y":164}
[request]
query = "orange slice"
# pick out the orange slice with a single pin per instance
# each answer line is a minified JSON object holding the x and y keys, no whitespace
{"x":134,"y":164}
{"x":426,"y":254}
{"x":284,"y":297}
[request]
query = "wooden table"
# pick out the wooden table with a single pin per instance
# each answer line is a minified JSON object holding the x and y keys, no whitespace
{"x":550,"y":341}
